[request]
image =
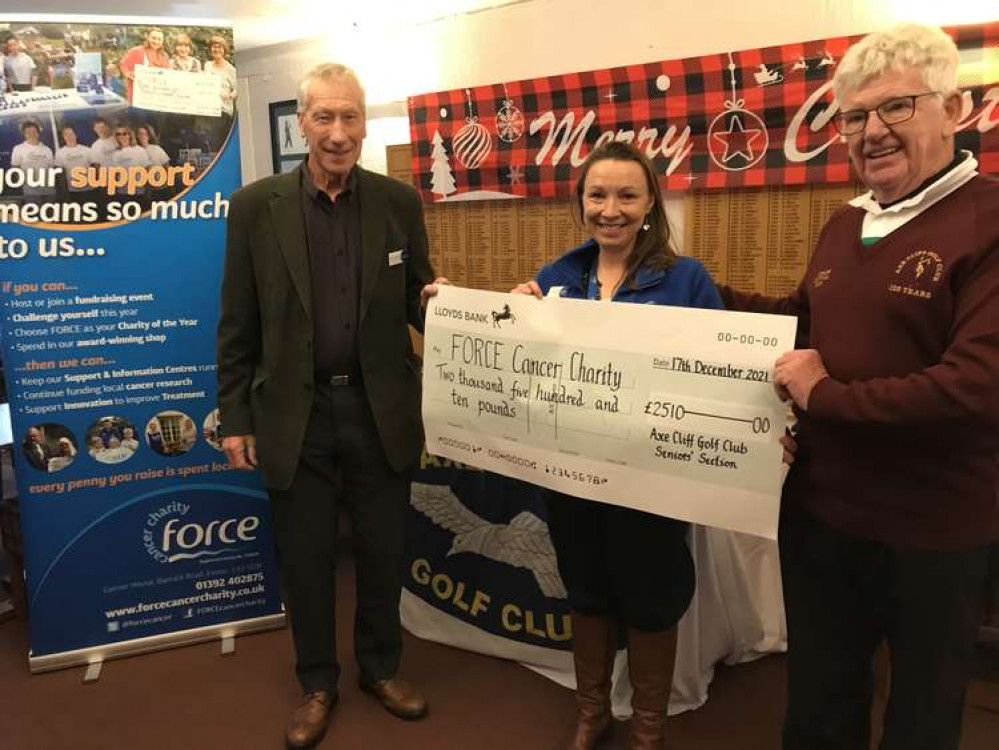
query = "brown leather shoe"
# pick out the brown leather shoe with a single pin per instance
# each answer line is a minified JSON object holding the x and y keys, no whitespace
{"x":309,"y":721}
{"x":399,"y":698}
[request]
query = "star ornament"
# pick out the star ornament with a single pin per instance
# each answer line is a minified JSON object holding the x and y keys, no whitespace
{"x":738,"y":140}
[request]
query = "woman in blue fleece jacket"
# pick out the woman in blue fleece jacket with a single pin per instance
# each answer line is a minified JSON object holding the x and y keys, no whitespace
{"x":622,"y":567}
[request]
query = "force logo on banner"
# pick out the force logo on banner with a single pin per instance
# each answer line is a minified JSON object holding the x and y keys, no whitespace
{"x":170,"y":536}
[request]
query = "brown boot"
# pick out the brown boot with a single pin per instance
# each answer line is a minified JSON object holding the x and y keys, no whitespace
{"x":651,"y":657}
{"x":593,"y":648}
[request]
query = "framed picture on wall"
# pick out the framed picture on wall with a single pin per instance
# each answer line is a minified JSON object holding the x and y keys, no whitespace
{"x":287,"y":145}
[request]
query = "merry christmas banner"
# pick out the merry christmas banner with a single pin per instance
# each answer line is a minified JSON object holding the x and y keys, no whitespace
{"x":734,"y":119}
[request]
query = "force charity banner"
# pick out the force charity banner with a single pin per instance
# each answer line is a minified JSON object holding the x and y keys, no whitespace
{"x":664,"y":409}
{"x":111,"y":245}
{"x":732,"y":119}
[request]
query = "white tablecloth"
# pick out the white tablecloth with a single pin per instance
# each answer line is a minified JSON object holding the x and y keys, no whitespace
{"x":737,"y":615}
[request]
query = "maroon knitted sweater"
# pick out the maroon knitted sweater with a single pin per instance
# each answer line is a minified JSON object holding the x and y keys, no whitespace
{"x":901,"y":443}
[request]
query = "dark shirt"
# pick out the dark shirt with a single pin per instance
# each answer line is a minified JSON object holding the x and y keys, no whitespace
{"x":333,"y":231}
{"x":37,"y":454}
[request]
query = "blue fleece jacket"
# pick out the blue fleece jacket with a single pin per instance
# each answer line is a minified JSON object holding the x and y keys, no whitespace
{"x":684,"y":284}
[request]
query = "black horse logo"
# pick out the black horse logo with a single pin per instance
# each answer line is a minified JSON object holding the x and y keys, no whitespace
{"x":505,"y":314}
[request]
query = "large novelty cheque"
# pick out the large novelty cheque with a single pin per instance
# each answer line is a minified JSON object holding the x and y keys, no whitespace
{"x":664,"y":409}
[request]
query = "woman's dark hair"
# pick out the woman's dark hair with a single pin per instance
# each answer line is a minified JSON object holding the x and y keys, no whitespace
{"x":150,"y":131}
{"x":150,"y":30}
{"x":653,"y":246}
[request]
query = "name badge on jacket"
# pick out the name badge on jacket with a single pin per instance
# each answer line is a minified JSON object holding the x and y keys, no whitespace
{"x":396,"y":257}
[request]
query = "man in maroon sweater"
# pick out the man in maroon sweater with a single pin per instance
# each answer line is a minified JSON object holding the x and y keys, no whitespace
{"x":892,"y":501}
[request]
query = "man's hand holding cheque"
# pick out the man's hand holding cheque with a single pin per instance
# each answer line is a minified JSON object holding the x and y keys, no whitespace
{"x":797,"y":373}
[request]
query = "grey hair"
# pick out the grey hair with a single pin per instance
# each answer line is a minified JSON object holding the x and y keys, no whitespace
{"x":329,"y":73}
{"x":908,"y":45}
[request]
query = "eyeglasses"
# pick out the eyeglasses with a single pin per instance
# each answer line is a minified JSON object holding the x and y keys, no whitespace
{"x":891,"y":112}
{"x":122,"y":132}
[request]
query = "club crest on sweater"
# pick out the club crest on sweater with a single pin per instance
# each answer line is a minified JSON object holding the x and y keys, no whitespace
{"x":917,"y":274}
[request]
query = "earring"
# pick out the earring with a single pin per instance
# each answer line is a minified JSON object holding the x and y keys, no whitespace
{"x":645,"y":226}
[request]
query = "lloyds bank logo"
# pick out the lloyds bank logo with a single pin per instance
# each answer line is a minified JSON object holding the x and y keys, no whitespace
{"x":170,"y":536}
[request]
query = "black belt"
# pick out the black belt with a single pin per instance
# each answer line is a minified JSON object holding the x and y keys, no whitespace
{"x":339,"y":380}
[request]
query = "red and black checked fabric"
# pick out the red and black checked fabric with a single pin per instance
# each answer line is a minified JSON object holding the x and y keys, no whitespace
{"x":772,"y":128}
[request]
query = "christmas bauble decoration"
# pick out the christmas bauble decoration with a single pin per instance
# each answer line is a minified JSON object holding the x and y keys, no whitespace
{"x":509,"y":122}
{"x":472,"y":143}
{"x":737,"y":138}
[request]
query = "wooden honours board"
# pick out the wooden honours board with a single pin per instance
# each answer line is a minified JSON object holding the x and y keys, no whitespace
{"x":492,"y":244}
{"x":755,"y":239}
{"x":760,"y":239}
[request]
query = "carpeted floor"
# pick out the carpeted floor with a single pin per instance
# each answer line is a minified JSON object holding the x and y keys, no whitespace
{"x":192,"y":698}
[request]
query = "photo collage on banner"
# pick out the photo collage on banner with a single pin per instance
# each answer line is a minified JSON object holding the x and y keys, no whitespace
{"x":118,"y":153}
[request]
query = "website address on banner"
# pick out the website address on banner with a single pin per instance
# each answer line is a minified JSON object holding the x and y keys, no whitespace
{"x":186,"y":601}
{"x":216,"y":608}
